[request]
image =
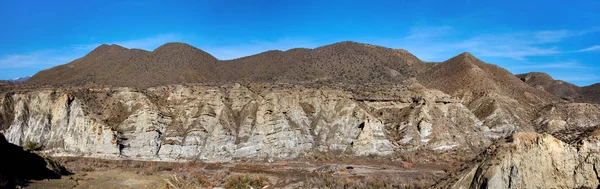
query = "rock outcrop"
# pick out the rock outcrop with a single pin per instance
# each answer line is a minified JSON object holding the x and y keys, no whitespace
{"x":234,"y":121}
{"x":531,"y":160}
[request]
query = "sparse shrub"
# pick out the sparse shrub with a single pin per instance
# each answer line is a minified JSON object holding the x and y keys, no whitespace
{"x":143,"y":173}
{"x":33,"y":146}
{"x":406,"y":165}
{"x":164,"y":168}
{"x":374,"y":181}
{"x":246,"y":181}
{"x":203,"y":181}
{"x":88,"y":169}
{"x":176,"y":182}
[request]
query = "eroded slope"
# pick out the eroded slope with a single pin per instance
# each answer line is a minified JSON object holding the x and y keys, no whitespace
{"x":234,"y":121}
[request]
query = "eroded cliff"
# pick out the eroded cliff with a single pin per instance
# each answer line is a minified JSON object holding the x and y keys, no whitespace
{"x":220,"y":123}
{"x":531,"y":160}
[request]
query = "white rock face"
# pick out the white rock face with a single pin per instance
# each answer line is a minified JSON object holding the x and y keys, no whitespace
{"x":501,"y":114}
{"x":534,"y":161}
{"x":232,"y":122}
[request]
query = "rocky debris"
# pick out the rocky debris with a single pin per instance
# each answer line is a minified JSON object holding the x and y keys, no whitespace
{"x":531,"y":160}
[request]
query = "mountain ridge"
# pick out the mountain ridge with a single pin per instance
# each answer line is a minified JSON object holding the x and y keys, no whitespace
{"x":342,"y":62}
{"x":175,"y":63}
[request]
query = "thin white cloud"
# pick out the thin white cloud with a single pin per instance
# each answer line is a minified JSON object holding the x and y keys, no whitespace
{"x":428,"y":33}
{"x":440,"y":43}
{"x":37,"y":59}
{"x":552,"y":35}
{"x":592,"y":48}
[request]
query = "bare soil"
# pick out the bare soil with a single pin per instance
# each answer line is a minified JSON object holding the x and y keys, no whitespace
{"x":363,"y":173}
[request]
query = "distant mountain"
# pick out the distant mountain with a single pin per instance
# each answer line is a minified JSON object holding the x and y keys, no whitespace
{"x":346,"y":62}
{"x":19,"y":79}
{"x":561,"y":88}
{"x":114,"y":65}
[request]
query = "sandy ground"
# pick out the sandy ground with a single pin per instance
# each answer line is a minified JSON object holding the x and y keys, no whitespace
{"x":103,"y":179}
{"x":96,"y":173}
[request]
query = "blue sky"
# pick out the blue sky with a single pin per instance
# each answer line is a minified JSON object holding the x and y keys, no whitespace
{"x":558,"y":37}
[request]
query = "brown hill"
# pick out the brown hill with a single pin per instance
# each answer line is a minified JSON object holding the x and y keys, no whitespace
{"x":341,"y":62}
{"x":498,"y":98}
{"x":591,"y":93}
{"x":172,"y":63}
{"x":465,"y":74}
{"x":545,"y":82}
{"x":118,"y":66}
{"x":562,"y":89}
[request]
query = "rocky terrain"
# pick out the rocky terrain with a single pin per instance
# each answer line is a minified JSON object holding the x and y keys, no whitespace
{"x":221,"y":123}
{"x":531,"y":160}
{"x":346,"y":102}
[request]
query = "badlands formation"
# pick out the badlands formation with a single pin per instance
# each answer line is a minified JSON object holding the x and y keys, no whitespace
{"x":178,"y":103}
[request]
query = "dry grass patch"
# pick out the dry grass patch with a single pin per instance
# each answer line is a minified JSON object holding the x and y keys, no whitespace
{"x":246,"y":181}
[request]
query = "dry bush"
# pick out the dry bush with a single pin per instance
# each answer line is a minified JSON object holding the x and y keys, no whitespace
{"x":175,"y":182}
{"x":33,"y":146}
{"x":246,"y":181}
{"x":375,"y":181}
